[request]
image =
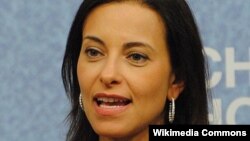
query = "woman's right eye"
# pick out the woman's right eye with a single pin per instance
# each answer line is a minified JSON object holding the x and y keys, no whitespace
{"x":93,"y":53}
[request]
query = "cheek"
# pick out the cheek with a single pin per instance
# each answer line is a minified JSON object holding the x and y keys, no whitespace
{"x":150,"y":94}
{"x":150,"y":85}
{"x":85,"y":77}
{"x":151,"y":81}
{"x":151,"y":88}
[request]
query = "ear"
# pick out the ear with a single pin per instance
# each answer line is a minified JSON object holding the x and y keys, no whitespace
{"x":175,"y":88}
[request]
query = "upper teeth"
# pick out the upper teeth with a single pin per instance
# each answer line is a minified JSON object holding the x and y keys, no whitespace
{"x":110,"y":100}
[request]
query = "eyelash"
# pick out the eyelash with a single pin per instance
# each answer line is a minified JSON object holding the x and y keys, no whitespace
{"x":95,"y":53}
{"x":134,"y":58}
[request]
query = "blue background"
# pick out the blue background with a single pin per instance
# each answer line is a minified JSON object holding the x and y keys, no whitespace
{"x":33,"y":34}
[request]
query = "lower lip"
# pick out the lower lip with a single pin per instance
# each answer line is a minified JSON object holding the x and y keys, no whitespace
{"x":110,"y":111}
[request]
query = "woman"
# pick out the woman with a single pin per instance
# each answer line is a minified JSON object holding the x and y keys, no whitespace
{"x":132,"y":63}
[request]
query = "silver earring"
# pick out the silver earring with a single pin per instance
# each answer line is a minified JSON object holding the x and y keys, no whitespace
{"x":171,"y":113}
{"x":80,"y":101}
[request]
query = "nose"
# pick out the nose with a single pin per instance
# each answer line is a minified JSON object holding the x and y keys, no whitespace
{"x":110,"y":74}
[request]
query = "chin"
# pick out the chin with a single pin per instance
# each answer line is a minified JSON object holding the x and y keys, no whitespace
{"x":112,"y":132}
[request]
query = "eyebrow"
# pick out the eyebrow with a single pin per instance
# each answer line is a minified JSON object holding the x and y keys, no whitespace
{"x":137,"y":44}
{"x":125,"y":45}
{"x":93,"y":38}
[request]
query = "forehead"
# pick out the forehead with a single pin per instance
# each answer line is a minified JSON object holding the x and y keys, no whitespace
{"x":124,"y":15}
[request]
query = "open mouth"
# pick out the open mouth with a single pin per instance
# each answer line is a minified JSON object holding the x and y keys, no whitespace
{"x":111,"y":101}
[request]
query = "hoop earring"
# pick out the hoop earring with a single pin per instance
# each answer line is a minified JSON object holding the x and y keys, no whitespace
{"x":171,"y":113}
{"x":80,"y":102}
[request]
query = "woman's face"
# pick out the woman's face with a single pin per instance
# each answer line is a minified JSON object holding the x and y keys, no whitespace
{"x":124,"y":70}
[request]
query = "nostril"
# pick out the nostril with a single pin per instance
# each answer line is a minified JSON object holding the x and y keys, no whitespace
{"x":114,"y":82}
{"x":110,"y":79}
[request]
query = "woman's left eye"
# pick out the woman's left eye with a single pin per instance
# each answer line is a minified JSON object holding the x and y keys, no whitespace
{"x":138,"y":58}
